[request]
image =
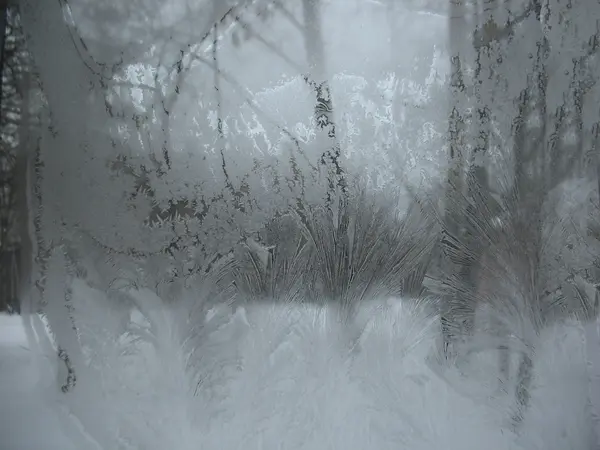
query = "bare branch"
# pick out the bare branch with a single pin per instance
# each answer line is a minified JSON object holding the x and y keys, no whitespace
{"x":288,"y":15}
{"x":248,"y":99}
{"x":271,"y":46}
{"x":128,"y":84}
{"x":491,"y":32}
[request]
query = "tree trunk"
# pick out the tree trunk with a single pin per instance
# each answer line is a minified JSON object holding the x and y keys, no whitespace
{"x":454,"y":184}
{"x":327,"y":142}
{"x":22,"y":186}
{"x":3,"y":25}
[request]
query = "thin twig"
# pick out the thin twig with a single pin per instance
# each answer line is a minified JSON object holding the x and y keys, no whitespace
{"x":288,"y":15}
{"x":253,"y":105}
{"x":271,"y":46}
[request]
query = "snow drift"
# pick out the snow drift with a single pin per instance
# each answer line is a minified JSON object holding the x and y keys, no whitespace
{"x":275,"y":376}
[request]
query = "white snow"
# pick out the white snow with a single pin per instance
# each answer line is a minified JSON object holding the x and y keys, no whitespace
{"x":26,"y":421}
{"x":283,"y":380}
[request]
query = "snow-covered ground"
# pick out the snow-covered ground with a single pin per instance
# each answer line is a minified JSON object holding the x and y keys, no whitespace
{"x":26,"y":421}
{"x":281,"y":381}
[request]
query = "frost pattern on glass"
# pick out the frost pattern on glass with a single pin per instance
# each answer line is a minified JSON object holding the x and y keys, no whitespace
{"x":310,"y":224}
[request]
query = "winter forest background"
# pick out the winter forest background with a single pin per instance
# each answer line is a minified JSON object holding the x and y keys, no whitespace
{"x":308,"y":224}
